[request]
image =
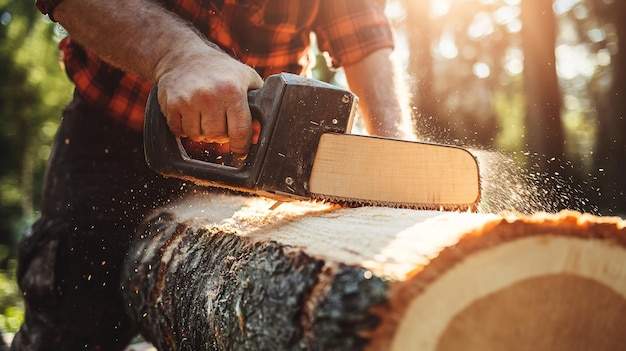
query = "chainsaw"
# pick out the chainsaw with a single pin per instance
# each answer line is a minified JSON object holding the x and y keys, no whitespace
{"x":304,"y":151}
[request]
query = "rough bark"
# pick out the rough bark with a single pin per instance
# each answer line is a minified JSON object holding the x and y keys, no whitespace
{"x":226,"y":273}
{"x":208,"y":287}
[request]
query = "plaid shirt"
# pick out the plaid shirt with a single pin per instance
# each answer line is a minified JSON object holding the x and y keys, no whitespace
{"x":270,"y":35}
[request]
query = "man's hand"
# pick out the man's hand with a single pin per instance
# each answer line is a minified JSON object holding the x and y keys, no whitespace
{"x":202,"y":90}
{"x":204,"y":97}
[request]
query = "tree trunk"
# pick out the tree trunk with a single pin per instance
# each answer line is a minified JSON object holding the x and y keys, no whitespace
{"x":611,"y":139}
{"x":227,"y":273}
{"x":544,"y":132}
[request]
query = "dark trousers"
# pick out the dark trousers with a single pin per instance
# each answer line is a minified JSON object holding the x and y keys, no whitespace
{"x":97,"y":189}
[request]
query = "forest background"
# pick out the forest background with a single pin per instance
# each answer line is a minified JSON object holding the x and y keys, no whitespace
{"x":536,"y":88}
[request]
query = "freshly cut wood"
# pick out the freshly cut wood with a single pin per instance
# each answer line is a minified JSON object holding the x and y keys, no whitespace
{"x":400,"y":172}
{"x":226,"y":273}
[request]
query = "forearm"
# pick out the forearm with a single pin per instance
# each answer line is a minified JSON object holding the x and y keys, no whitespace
{"x":138,"y":36}
{"x":202,"y":90}
{"x":383,"y":100}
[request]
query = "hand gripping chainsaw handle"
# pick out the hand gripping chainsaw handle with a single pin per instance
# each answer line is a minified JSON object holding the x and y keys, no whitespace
{"x":293,"y":112}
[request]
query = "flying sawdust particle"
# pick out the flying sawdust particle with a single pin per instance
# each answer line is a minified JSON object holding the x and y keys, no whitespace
{"x":508,"y":187}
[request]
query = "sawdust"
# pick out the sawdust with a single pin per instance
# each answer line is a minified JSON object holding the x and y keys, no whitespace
{"x":240,"y":214}
{"x":508,"y":187}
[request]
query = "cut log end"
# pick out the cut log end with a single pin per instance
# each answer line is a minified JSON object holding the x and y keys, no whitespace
{"x":558,"y":312}
{"x":557,"y":283}
{"x":538,"y":293}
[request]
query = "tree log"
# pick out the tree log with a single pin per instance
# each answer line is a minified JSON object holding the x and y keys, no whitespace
{"x":227,"y":273}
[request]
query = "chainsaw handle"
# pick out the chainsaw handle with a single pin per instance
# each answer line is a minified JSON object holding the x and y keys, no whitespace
{"x":165,"y":153}
{"x":294,"y":112}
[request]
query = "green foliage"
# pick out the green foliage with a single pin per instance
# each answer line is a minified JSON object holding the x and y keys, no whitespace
{"x":33,"y":90}
{"x":509,"y":110}
{"x":32,"y":93}
{"x":11,"y":304}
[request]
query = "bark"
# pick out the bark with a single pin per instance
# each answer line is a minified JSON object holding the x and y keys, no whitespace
{"x":192,"y":287}
{"x":227,"y":273}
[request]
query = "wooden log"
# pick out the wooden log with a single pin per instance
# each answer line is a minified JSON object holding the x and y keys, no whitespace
{"x":226,"y":273}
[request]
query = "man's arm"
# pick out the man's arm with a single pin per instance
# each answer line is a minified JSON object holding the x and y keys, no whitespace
{"x":382,"y":96}
{"x":202,"y":90}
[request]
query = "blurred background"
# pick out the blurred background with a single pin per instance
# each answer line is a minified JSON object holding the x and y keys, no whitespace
{"x":536,"y":88}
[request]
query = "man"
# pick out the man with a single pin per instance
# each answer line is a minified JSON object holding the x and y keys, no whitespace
{"x":204,"y":56}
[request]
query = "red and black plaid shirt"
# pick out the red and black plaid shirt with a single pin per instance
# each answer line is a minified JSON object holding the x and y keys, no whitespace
{"x":270,"y":35}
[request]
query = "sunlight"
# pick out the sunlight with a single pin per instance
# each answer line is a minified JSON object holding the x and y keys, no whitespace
{"x":514,"y":61}
{"x":505,"y":14}
{"x":440,"y":7}
{"x":570,"y":69}
{"x":580,"y":12}
{"x":603,"y":57}
{"x":481,"y":26}
{"x":481,"y":70}
{"x":596,"y":35}
{"x":395,"y":11}
{"x":447,"y":46}
{"x":562,"y":6}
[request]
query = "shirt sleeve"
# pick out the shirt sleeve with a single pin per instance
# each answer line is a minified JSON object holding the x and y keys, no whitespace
{"x":350,"y":30}
{"x":47,"y":6}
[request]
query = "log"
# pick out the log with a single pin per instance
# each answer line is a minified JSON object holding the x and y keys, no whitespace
{"x":225,"y":272}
